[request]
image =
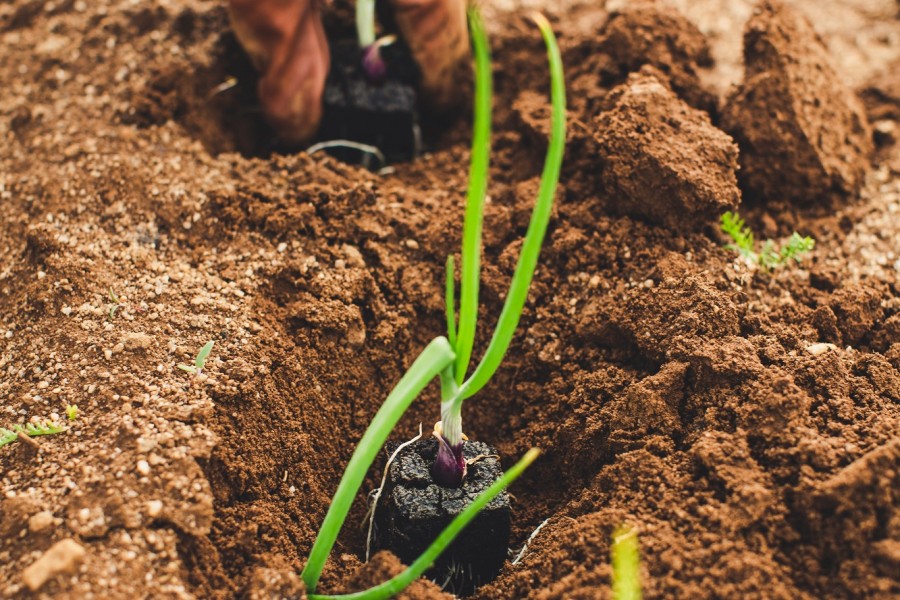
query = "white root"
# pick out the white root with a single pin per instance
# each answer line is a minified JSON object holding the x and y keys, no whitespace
{"x":528,"y":541}
{"x":370,"y":515}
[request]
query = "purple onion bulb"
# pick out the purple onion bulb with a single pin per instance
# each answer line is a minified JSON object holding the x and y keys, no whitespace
{"x":373,"y":65}
{"x":449,"y":468}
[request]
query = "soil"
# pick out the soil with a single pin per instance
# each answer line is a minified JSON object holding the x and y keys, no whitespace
{"x":669,"y":385}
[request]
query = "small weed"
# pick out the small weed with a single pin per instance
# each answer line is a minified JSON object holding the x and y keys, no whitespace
{"x":71,"y":412}
{"x":115,"y":306}
{"x":8,"y":436}
{"x":770,"y":257}
{"x":199,"y":362}
{"x":116,"y":303}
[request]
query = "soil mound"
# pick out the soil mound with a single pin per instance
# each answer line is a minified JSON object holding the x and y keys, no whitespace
{"x":668,"y":385}
{"x":661,"y":159}
{"x":804,"y":136}
{"x":645,"y":33}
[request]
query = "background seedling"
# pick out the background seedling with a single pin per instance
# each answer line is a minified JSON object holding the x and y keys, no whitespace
{"x":31,"y":429}
{"x":199,"y":362}
{"x":116,"y":304}
{"x":71,"y":412}
{"x":770,"y":257}
{"x":439,"y":357}
{"x":626,"y":564}
{"x":372,"y":63}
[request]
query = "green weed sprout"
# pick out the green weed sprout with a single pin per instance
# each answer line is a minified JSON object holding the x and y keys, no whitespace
{"x":450,"y":467}
{"x":199,"y":362}
{"x":8,"y":436}
{"x":71,"y":411}
{"x":770,"y":257}
{"x":115,"y":306}
{"x":439,"y":358}
{"x":626,"y":564}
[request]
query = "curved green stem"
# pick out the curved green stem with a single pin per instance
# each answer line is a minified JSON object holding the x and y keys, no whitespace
{"x":434,"y":358}
{"x":540,"y":218}
{"x":365,"y":22}
{"x":394,"y":586}
{"x":470,"y":269}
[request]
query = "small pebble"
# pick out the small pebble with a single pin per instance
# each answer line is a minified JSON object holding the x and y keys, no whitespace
{"x":143,"y":467}
{"x":41,"y":521}
{"x":154,"y":507}
{"x":62,"y":557}
{"x":820,"y":348}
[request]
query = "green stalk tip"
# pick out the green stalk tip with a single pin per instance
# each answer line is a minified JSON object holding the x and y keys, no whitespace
{"x":626,"y":564}
{"x":540,"y":219}
{"x":470,"y":268}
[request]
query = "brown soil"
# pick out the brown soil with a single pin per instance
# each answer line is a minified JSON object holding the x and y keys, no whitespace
{"x":669,"y":385}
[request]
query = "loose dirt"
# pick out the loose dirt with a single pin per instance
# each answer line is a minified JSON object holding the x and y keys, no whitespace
{"x":669,"y":385}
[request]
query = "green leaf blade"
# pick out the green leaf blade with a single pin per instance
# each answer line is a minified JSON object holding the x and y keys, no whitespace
{"x":470,"y":267}
{"x":433,"y":359}
{"x":537,"y":228}
{"x":203,"y":355}
{"x":626,"y":564}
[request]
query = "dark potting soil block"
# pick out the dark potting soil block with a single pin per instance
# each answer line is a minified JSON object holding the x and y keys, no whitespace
{"x":382,"y":114}
{"x":414,"y":510}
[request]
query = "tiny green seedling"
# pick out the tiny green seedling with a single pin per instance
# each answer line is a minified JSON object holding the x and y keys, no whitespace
{"x":116,"y":303}
{"x":626,"y":564}
{"x":115,"y":306}
{"x":770,"y":257}
{"x":448,"y":359}
{"x":8,"y":436}
{"x":199,"y":362}
{"x":72,"y":411}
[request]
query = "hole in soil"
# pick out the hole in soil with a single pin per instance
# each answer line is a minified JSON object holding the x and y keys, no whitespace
{"x":370,"y":125}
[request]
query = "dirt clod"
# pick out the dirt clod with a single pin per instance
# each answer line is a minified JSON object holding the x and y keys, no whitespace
{"x":382,"y":567}
{"x":804,"y":136}
{"x":647,"y":33}
{"x":62,"y":557}
{"x":663,"y":160}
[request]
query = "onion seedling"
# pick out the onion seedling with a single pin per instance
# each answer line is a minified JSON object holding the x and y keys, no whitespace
{"x":373,"y":64}
{"x":450,"y":467}
{"x":441,"y":357}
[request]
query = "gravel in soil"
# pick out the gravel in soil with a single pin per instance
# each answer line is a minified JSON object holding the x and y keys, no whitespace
{"x":745,"y":424}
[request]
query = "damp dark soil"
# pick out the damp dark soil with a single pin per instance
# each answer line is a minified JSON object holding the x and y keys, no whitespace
{"x":745,"y":424}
